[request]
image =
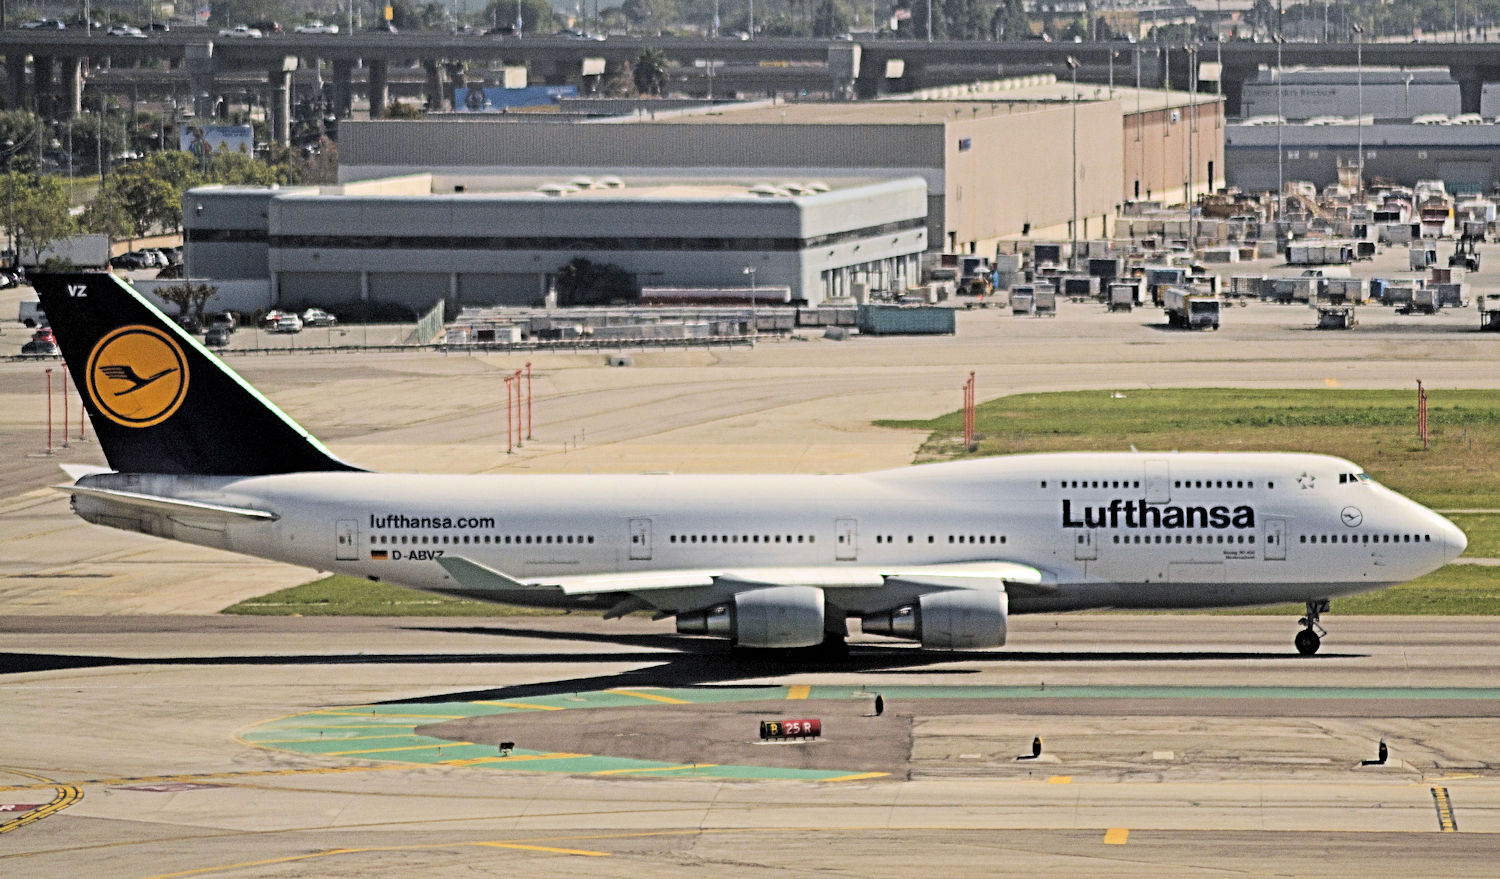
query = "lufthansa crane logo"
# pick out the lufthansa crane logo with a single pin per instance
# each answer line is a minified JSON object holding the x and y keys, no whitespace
{"x":138,"y":376}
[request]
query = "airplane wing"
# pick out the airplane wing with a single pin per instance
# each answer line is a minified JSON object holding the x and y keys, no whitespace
{"x":997,"y":574}
{"x":177,"y":506}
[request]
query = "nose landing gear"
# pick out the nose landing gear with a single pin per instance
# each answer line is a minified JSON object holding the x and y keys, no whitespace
{"x":1308,"y":640}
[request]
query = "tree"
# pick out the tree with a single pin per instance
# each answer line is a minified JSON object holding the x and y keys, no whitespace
{"x":536,"y":15}
{"x":1009,"y":21}
{"x":831,"y":20}
{"x":188,"y":297}
{"x":20,"y":132}
{"x":107,"y":215}
{"x":399,"y":110}
{"x":583,"y":282}
{"x":37,"y":212}
{"x":650,"y":72}
{"x":652,"y":16}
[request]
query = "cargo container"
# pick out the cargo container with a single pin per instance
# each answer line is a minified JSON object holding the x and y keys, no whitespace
{"x":1046,"y":302}
{"x":1079,"y":287}
{"x":1106,"y":269}
{"x":1189,"y":309}
{"x":1342,"y":291}
{"x":1489,"y":314}
{"x":1449,"y":295}
{"x":1124,"y":295}
{"x":1422,"y":255}
{"x":896,"y":320}
{"x":1314,"y":253}
{"x":1422,"y":301}
{"x":1022,"y":299}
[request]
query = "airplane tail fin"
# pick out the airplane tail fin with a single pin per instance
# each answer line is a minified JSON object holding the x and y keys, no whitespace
{"x":159,"y":401}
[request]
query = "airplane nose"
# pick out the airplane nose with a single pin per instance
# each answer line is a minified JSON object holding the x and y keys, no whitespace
{"x":1454,"y":541}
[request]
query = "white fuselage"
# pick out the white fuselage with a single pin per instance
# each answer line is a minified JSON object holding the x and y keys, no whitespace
{"x":1106,"y":529}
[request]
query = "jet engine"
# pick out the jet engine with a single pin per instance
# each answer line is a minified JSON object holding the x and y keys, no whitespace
{"x":777,"y":616}
{"x":955,"y":620}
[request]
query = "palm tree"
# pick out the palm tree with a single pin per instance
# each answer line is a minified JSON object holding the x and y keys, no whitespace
{"x":650,"y":72}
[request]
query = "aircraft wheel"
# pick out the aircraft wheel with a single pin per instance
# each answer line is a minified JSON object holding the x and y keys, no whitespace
{"x":1307,"y":642}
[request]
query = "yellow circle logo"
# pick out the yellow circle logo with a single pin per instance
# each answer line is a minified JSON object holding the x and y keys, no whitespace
{"x":137,"y":376}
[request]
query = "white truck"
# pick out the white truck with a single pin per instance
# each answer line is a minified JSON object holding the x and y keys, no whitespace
{"x":32,"y":315}
{"x":1190,"y":309}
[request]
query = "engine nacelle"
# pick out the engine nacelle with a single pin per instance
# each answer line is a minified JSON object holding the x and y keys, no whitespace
{"x":960,"y":619}
{"x":777,"y":616}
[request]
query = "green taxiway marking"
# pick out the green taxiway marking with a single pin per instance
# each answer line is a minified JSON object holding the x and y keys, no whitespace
{"x":388,"y":732}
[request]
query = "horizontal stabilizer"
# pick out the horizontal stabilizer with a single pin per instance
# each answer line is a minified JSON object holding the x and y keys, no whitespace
{"x":169,"y":505}
{"x":78,"y":471}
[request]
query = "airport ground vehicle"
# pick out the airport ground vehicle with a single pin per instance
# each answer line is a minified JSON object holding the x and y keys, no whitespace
{"x":317,"y":317}
{"x":217,"y":336}
{"x":1189,"y":309}
{"x":939,"y":553}
{"x":31,"y":314}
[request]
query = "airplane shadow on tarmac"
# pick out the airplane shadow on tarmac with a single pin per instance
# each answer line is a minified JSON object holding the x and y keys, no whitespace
{"x":673,"y":661}
{"x":701,"y":662}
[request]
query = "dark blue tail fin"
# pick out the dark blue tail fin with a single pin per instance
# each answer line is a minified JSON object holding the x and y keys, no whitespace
{"x":159,"y":401}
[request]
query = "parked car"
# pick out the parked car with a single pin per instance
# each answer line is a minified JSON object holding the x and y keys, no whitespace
{"x":131,"y":260}
{"x":44,"y":334}
{"x":317,"y":317}
{"x":316,"y":27}
{"x":224,"y":319}
{"x":289,"y":323}
{"x":40,"y":349}
{"x":217,"y":336}
{"x":241,"y":31}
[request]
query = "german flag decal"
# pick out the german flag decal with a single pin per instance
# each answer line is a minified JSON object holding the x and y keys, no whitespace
{"x":379,"y":555}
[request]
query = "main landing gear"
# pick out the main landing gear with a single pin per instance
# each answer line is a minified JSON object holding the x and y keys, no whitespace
{"x":1308,"y":640}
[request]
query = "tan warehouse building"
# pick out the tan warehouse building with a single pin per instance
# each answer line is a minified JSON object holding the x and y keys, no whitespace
{"x":996,"y":158}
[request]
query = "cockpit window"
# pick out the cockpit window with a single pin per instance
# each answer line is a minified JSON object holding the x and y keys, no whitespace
{"x":1360,"y":478}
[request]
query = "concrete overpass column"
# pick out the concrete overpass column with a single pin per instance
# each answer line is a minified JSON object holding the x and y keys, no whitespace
{"x":1470,"y":87}
{"x":199,"y":60}
{"x":281,"y":105}
{"x":379,"y":91}
{"x":343,"y":89}
{"x":72,"y":74}
{"x":41,"y":84}
{"x":434,"y":71}
{"x":15,"y":76}
{"x":1233,"y":83}
{"x":455,"y":71}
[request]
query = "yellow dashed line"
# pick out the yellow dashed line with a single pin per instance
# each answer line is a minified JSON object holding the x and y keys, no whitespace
{"x":525,"y":705}
{"x":856,"y":776}
{"x":655,"y":769}
{"x":1060,"y":779}
{"x":653,"y":697}
{"x":798,"y":692}
{"x":1116,"y":836}
{"x":67,"y":795}
{"x":392,"y":750}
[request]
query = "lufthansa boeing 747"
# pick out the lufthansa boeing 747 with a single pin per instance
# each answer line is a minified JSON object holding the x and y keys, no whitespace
{"x":940,"y":554}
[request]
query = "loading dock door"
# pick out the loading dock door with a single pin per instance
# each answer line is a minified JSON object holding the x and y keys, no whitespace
{"x":846,"y":540}
{"x":1275,"y":537}
{"x":1158,"y":482}
{"x":640,"y":539}
{"x":346,"y":540}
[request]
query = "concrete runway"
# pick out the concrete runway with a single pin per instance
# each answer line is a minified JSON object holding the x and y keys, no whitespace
{"x":137,"y":726}
{"x":127,"y":709}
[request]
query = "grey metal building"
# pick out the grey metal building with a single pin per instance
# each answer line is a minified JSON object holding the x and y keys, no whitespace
{"x":1465,"y":157}
{"x":469,"y":239}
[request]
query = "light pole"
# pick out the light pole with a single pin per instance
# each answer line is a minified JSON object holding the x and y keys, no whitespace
{"x":1359,"y":90}
{"x":754,"y":322}
{"x":1280,"y":153}
{"x":1192,"y":133}
{"x":1073,"y":173}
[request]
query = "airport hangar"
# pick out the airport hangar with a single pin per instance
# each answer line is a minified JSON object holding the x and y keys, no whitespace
{"x":995,"y":155}
{"x":453,"y":208}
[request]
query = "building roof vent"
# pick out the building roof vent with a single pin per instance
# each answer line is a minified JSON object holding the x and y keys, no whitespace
{"x":609,"y":181}
{"x":555,"y":189}
{"x":767,"y":190}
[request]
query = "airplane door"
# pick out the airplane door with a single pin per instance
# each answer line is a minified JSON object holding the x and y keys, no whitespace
{"x":1158,"y":482}
{"x":846,"y":540}
{"x":1084,"y":548}
{"x":346,"y":541}
{"x":1275,"y":538}
{"x":640,"y":539}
